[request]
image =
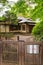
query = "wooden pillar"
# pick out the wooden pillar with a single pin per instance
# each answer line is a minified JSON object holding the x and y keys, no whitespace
{"x":20,"y":48}
{"x":21,"y":53}
{"x":21,"y":27}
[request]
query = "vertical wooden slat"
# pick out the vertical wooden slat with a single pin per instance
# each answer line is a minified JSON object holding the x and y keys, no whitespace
{"x":20,"y":60}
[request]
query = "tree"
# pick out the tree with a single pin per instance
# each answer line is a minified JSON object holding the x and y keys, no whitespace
{"x":2,"y":18}
{"x":21,"y":8}
{"x":36,"y":13}
{"x":10,"y":17}
{"x":38,"y":31}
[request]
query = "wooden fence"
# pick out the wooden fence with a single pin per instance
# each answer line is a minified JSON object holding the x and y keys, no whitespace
{"x":21,"y":53}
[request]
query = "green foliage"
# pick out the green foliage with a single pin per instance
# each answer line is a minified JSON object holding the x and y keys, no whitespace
{"x":36,"y":1}
{"x":2,"y":18}
{"x":35,"y":13}
{"x":21,"y":8}
{"x":3,"y":1}
{"x":11,"y":17}
{"x":38,"y":11}
{"x":38,"y":31}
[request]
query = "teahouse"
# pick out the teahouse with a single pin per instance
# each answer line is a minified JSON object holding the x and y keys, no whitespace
{"x":24,"y":26}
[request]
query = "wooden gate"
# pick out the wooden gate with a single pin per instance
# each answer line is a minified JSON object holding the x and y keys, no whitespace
{"x":20,"y":53}
{"x":33,"y":53}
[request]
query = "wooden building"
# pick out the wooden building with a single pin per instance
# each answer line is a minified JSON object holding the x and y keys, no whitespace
{"x":4,"y":27}
{"x":24,"y":25}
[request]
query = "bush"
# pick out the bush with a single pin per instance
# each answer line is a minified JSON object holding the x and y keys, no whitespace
{"x":38,"y":31}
